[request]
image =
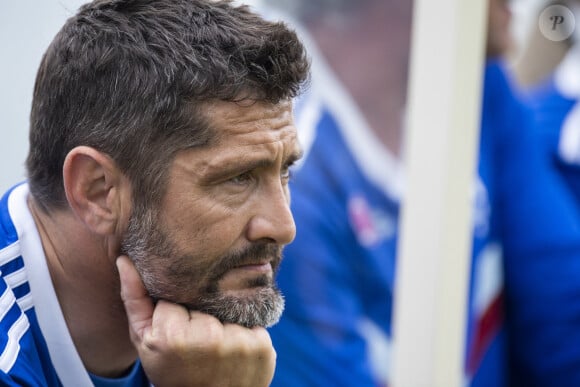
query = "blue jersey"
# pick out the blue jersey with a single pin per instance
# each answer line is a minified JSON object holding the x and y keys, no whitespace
{"x":537,"y":223}
{"x":557,"y":110}
{"x":545,"y":307}
{"x":338,"y":274}
{"x":36,"y":348}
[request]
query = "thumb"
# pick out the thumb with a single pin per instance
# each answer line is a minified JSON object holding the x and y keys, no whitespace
{"x":138,"y":304}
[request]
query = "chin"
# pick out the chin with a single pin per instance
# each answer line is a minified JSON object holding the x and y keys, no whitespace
{"x":260,"y":306}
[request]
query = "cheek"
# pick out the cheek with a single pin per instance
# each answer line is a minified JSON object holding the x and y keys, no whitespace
{"x":211,"y":229}
{"x":201,"y":219}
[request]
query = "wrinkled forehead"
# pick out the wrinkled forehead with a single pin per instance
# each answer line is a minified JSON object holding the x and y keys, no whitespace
{"x":247,"y":136}
{"x":249,"y":120}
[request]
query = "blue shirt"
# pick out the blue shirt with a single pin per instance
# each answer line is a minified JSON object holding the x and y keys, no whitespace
{"x":36,"y":348}
{"x":545,"y":306}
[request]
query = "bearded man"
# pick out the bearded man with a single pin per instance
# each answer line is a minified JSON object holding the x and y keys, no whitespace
{"x":142,"y":248}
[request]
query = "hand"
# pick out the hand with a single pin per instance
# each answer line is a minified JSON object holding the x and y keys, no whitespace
{"x":179,"y":347}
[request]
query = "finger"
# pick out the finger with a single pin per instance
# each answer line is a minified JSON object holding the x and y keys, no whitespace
{"x":266,"y":355}
{"x":170,"y":322}
{"x":254,"y":343}
{"x":138,"y":304}
{"x":255,"y":351}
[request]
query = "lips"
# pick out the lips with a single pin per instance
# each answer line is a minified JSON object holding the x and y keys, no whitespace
{"x":257,"y":258}
{"x":258,"y":267}
{"x":247,"y":276}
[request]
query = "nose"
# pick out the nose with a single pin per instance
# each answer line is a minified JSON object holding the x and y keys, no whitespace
{"x":272,"y":221}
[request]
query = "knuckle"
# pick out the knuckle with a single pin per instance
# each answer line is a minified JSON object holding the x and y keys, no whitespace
{"x":262,"y":338}
{"x":151,"y":343}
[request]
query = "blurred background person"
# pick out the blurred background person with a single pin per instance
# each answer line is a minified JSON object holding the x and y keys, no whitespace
{"x":338,"y":276}
{"x":545,"y":308}
{"x":555,"y":94}
{"x":539,"y":55}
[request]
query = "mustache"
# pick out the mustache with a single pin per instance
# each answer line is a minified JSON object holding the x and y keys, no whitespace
{"x":252,"y":254}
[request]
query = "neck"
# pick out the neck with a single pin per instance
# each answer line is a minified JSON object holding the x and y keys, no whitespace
{"x":87,"y":286}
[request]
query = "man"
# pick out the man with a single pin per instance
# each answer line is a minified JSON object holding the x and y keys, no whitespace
{"x":546,"y":303}
{"x":161,"y":130}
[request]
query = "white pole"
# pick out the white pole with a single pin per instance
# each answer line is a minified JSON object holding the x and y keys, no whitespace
{"x":436,"y":226}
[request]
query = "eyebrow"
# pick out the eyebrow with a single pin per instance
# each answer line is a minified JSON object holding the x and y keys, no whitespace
{"x":296,"y":155}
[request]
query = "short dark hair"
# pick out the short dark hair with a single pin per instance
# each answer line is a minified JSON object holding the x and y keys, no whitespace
{"x":128,"y":77}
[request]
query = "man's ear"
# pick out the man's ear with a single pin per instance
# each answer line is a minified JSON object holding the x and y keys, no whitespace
{"x":95,"y":189}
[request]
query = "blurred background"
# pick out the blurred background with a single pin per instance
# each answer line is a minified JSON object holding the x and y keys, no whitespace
{"x":26,"y":29}
{"x":336,"y":329}
{"x":28,"y":26}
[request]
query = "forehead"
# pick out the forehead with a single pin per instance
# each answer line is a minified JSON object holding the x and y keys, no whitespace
{"x":246,"y":134}
{"x":249,"y":121}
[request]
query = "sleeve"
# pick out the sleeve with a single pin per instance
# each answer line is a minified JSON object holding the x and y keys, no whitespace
{"x":20,"y":364}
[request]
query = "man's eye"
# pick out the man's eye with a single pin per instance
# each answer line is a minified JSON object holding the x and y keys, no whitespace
{"x":244,"y":178}
{"x":286,"y":174}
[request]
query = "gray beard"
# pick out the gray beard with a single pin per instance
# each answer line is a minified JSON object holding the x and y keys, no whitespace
{"x":263,"y":308}
{"x":144,"y":238}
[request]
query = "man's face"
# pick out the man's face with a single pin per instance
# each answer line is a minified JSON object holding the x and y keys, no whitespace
{"x":216,"y":240}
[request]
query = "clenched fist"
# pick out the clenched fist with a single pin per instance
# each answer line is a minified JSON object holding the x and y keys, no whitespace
{"x":179,"y":347}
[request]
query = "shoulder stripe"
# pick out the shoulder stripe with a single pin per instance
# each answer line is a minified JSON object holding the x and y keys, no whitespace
{"x":9,"y":253}
{"x":16,"y":279}
{"x":6,"y":301}
{"x":10,"y":354}
{"x":566,"y":77}
{"x":25,"y":302}
{"x":569,"y":145}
